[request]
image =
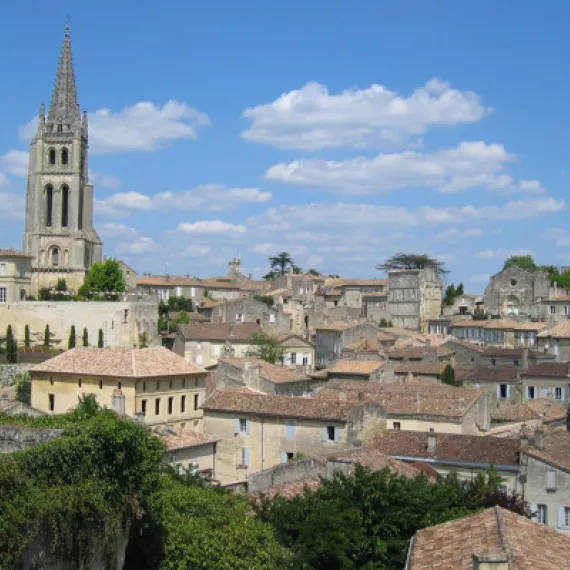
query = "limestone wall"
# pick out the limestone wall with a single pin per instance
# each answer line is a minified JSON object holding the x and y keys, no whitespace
{"x":15,"y":438}
{"x":122,"y":322}
{"x":9,"y":372}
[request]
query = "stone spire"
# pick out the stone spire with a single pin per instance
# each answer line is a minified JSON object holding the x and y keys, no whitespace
{"x":64,"y":109}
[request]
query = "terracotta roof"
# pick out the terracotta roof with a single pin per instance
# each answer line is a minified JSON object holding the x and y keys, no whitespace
{"x":470,"y":323}
{"x":287,"y":490}
{"x":515,"y":325}
{"x":333,"y":292}
{"x":561,"y":330}
{"x":465,"y":344}
{"x":451,"y":447}
{"x":363,"y":367}
{"x":14,"y":253}
{"x":364,"y":345}
{"x":247,"y":402}
{"x":548,"y":369}
{"x":208,"y":303}
{"x":285,"y":293}
{"x":418,"y":352}
{"x":220,"y":331}
{"x":182,"y":439}
{"x":344,"y":282}
{"x":555,"y":450}
{"x":168,"y":280}
{"x":431,"y":368}
{"x":267,"y":371}
{"x":337,"y":326}
{"x":531,"y":410}
{"x":492,"y":374}
{"x":523,"y":544}
{"x":119,"y":363}
{"x":507,"y":352}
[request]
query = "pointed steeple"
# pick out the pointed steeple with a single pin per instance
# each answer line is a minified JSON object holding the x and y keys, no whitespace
{"x":64,"y":109}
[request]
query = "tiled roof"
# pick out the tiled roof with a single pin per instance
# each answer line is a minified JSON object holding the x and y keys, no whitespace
{"x":220,"y":331}
{"x":492,"y":374}
{"x":287,"y":490}
{"x":344,"y":282}
{"x":499,"y":352}
{"x":561,"y":330}
{"x":14,"y":253}
{"x":468,"y":345}
{"x":548,"y":369}
{"x":469,"y":323}
{"x":451,"y":447}
{"x":418,"y":352}
{"x":531,"y":410}
{"x":431,"y":368}
{"x":168,"y":281}
{"x":524,"y":544}
{"x":338,"y":326}
{"x":268,"y":371}
{"x":182,"y":439}
{"x":555,"y":450}
{"x":247,"y":402}
{"x":364,"y":344}
{"x":506,"y":324}
{"x":119,"y":363}
{"x":363,"y":367}
{"x":208,"y":303}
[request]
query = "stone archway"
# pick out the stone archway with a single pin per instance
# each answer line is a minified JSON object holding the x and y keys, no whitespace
{"x":511,"y":306}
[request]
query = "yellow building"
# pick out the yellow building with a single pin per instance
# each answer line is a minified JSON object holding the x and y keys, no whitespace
{"x":258,"y":431}
{"x":15,"y":275}
{"x":152,"y":383}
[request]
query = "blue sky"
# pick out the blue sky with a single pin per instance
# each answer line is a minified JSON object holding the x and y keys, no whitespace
{"x":341,"y":132}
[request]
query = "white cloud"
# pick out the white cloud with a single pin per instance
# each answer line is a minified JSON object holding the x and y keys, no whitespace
{"x":211,"y":227}
{"x":210,"y":197}
{"x":14,"y":210}
{"x":501,"y":253}
{"x":454,"y":234}
{"x":272,"y":248}
{"x":115,"y":230}
{"x":560,"y":237}
{"x":469,"y":165}
{"x":15,"y":162}
{"x":139,"y":245}
{"x":104,"y":180}
{"x":142,"y":127}
{"x":311,"y":118}
{"x":196,"y":251}
{"x":3,"y":179}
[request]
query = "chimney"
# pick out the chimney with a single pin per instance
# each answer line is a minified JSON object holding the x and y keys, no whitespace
{"x":525,"y":359}
{"x":524,"y":436}
{"x":539,"y":438}
{"x":431,"y":441}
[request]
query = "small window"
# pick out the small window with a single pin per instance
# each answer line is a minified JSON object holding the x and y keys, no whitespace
{"x":530,"y":393}
{"x":157,"y":407}
{"x":143,"y":407}
{"x":51,"y":380}
{"x":542,"y":514}
{"x":55,"y":257}
{"x":397,"y":425}
{"x":552,"y":310}
{"x":493,"y":362}
{"x":100,"y":384}
{"x":2,"y":269}
{"x":51,"y":402}
{"x":503,"y":391}
{"x":119,"y":385}
{"x":51,"y":156}
{"x":558,"y":394}
{"x":60,"y":128}
{"x":567,"y":517}
{"x":64,"y":156}
{"x":79,"y":383}
{"x":551,"y":480}
{"x":290,"y":455}
{"x":170,"y":404}
{"x":242,"y":425}
{"x":516,"y":363}
{"x":196,"y":401}
{"x":272,"y":317}
{"x":3,"y":294}
{"x":182,"y":404}
{"x":330,"y":433}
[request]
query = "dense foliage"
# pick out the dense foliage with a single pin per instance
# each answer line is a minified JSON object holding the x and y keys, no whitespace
{"x":365,"y":520}
{"x":413,"y":261}
{"x":11,"y":346}
{"x":266,"y":347}
{"x":280,"y":264}
{"x":24,"y":388}
{"x":448,"y":376}
{"x":27,"y":336}
{"x":100,"y":341}
{"x":180,"y":304}
{"x":106,"y":277}
{"x":72,"y":338}
{"x":267,"y":299}
{"x":452,"y":293}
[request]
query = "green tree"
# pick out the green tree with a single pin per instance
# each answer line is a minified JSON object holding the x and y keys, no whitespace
{"x":266,"y":347}
{"x":144,"y":341}
{"x":448,"y":375}
{"x":313,"y":272}
{"x":100,"y":343}
{"x":27,"y":336}
{"x":280,"y":263}
{"x":72,"y":338}
{"x":525,"y":262}
{"x":460,"y":290}
{"x":383,"y":323}
{"x":61,"y":285}
{"x":85,"y":337}
{"x":449,"y":295}
{"x":24,"y":388}
{"x":46,"y":337}
{"x":44,"y":294}
{"x":267,"y":299}
{"x":11,"y":346}
{"x":106,"y":277}
{"x":176,"y":304}
{"x":413,"y":261}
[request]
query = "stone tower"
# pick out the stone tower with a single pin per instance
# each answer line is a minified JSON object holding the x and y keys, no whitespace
{"x":59,"y":231}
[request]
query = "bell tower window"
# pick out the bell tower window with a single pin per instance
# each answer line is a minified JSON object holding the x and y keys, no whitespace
{"x":55,"y":257}
{"x":64,"y":156}
{"x":64,"y":204}
{"x":51,"y":156}
{"x":60,"y":128}
{"x":49,"y":205}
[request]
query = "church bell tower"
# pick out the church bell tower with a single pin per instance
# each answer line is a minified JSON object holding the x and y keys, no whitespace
{"x":59,"y":231}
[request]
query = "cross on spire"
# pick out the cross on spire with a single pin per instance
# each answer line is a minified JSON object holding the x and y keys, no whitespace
{"x":64,"y":109}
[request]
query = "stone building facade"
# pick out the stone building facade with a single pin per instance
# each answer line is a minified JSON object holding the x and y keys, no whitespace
{"x":414,"y":297}
{"x":59,"y":232}
{"x":15,"y":276}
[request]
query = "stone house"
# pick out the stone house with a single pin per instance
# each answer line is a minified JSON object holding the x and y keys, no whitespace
{"x":466,"y":455}
{"x":298,"y":353}
{"x":556,"y":341}
{"x":356,"y":370}
{"x":419,"y":407}
{"x":262,"y":377}
{"x":165,"y":286}
{"x":513,"y":292}
{"x":331,"y":338}
{"x":464,"y":305}
{"x":494,"y":539}
{"x":555,"y":308}
{"x":545,"y":466}
{"x":466,"y":356}
{"x":129,"y":275}
{"x":270,"y":319}
{"x":506,"y":333}
{"x":154,"y":384}
{"x":513,"y":357}
{"x":419,"y":370}
{"x":530,"y":413}
{"x":503,"y":385}
{"x":440,"y":326}
{"x":546,"y":380}
{"x":375,"y":306}
{"x":15,"y":276}
{"x":414,"y":297}
{"x":425,"y":353}
{"x":258,"y":431}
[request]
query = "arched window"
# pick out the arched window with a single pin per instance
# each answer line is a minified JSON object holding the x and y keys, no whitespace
{"x":49,"y":205}
{"x":64,"y":156}
{"x":64,"y":204}
{"x":55,"y":257}
{"x":51,"y":156}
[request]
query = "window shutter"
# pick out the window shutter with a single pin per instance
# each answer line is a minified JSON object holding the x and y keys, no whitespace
{"x":498,"y":391}
{"x":247,"y":426}
{"x":245,"y":456}
{"x":236,"y":426}
{"x":508,"y":391}
{"x":544,"y":393}
{"x":283,"y":457}
{"x":533,"y":511}
{"x":337,"y":434}
{"x":290,"y":431}
{"x":563,"y":395}
{"x":324,"y":433}
{"x":551,"y":482}
{"x":561,"y":518}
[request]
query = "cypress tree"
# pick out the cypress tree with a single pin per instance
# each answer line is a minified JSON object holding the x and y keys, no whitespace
{"x":27,"y":336}
{"x":85,"y":337}
{"x":71,"y":341}
{"x":11,"y":346}
{"x":46,"y":337}
{"x":100,"y":339}
{"x":448,"y":375}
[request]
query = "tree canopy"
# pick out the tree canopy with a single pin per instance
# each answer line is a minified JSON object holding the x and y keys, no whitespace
{"x":413,"y":261}
{"x":106,"y":277}
{"x":266,"y":347}
{"x":528,"y":263}
{"x":280,"y":264}
{"x":525,"y":262}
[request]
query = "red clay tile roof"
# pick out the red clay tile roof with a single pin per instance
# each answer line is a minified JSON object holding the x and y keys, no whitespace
{"x":548,"y":369}
{"x":182,"y":439}
{"x":267,"y":371}
{"x":464,"y":344}
{"x":555,"y":450}
{"x":14,"y":253}
{"x":524,"y":544}
{"x":220,"y":331}
{"x":531,"y":410}
{"x":360,"y":367}
{"x":561,"y":330}
{"x":506,"y":324}
{"x":428,"y":368}
{"x":418,"y":352}
{"x":451,"y":447}
{"x":119,"y":363}
{"x":492,"y":374}
{"x":338,"y":326}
